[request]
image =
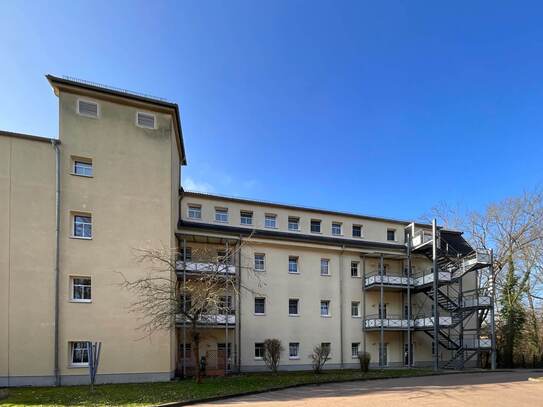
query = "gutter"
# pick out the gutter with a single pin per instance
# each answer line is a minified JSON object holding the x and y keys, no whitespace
{"x":56,"y":144}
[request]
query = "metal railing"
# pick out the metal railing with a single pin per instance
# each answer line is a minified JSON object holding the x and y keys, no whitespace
{"x":201,"y":267}
{"x":418,"y":279}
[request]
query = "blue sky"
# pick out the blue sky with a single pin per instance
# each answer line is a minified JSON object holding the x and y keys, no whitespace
{"x":383,"y":108}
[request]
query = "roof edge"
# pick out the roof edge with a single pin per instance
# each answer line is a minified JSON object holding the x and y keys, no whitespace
{"x":28,"y":136}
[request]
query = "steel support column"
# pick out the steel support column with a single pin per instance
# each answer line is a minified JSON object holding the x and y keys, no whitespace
{"x":435,"y":288}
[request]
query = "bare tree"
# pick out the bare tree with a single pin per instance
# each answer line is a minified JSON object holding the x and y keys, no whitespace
{"x":319,"y":357}
{"x":162,"y":299}
{"x":272,"y":353}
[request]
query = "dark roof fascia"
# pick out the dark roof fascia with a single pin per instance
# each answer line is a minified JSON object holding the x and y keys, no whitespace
{"x":62,"y":81}
{"x":294,"y":237}
{"x":29,"y":137}
{"x":302,"y":208}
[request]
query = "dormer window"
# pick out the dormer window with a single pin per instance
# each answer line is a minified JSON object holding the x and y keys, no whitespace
{"x":146,"y":120}
{"x":87,"y":108}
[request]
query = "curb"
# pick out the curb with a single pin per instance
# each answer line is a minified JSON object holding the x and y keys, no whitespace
{"x":293,"y":386}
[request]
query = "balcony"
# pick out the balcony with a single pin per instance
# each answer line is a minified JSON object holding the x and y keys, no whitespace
{"x":480,"y":259}
{"x":418,"y":280}
{"x":395,"y":322}
{"x":471,"y":342}
{"x":209,"y":320}
{"x":198,"y":267}
{"x":474,"y":301}
{"x":421,"y":238}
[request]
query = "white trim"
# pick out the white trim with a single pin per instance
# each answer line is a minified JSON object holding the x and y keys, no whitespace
{"x":85,"y":100}
{"x":146,"y":114}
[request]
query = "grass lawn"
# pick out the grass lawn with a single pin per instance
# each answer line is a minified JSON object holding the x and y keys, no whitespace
{"x":155,"y":393}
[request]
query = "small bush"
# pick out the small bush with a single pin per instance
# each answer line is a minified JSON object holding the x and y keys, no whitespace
{"x":319,"y":357}
{"x":272,"y":353}
{"x":364,"y":359}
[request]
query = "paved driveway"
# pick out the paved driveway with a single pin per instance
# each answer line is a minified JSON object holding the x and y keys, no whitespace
{"x":474,"y":390}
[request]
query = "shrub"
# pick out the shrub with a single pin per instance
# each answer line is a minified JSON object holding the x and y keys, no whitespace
{"x":272,"y":353}
{"x":364,"y":359}
{"x":319,"y":357}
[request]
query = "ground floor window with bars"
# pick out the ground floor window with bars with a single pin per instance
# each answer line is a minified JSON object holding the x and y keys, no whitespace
{"x":355,"y":349}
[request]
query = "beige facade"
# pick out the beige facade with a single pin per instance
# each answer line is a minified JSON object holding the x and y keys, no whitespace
{"x":120,"y":156}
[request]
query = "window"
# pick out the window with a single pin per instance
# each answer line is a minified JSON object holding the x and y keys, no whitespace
{"x":81,"y":289}
{"x":259,"y":350}
{"x":293,"y":264}
{"x":357,"y":231}
{"x":294,"y":350}
{"x":246,"y":218}
{"x":187,"y":255}
{"x":260,"y":305}
{"x":336,"y":228}
{"x":270,"y":221}
{"x":325,"y":269}
{"x":187,"y":304}
{"x":221,"y":215}
{"x":87,"y":108}
{"x":355,"y":269}
{"x":325,"y":308}
{"x":391,"y":234}
{"x":146,"y":120}
{"x":195,"y":212}
{"x":383,"y":311}
{"x":259,"y":262}
{"x":224,"y":257}
{"x":79,"y":353}
{"x":355,"y":349}
{"x":83,"y":226}
{"x":355,"y":308}
{"x":293,"y":306}
{"x":225,"y":305}
{"x":315,"y":226}
{"x":293,"y":224}
{"x":326,"y":345}
{"x":82,"y":167}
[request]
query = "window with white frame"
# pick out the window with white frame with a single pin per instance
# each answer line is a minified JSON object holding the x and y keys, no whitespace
{"x":82,"y":167}
{"x":325,"y":308}
{"x":293,"y":306}
{"x":270,"y":221}
{"x":355,"y":349}
{"x":355,"y":308}
{"x":195,"y":211}
{"x":81,"y":289}
{"x":325,"y":267}
{"x":391,"y":235}
{"x":87,"y":108}
{"x":336,"y":228}
{"x":79,"y":352}
{"x":246,"y":218}
{"x":357,"y":230}
{"x":82,"y":226}
{"x":326,"y":346}
{"x":293,"y":224}
{"x":221,"y":215}
{"x":260,"y":262}
{"x":355,"y":269}
{"x":260,"y":305}
{"x":259,"y":350}
{"x":293,"y":264}
{"x":294,"y":350}
{"x":315,"y":226}
{"x":146,"y":120}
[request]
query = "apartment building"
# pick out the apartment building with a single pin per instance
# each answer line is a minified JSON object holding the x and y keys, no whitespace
{"x":74,"y":209}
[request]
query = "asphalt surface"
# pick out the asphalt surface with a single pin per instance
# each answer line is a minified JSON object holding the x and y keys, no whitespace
{"x":474,"y":389}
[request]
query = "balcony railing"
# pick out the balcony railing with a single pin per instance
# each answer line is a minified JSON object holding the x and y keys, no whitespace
{"x":419,"y":279}
{"x":199,"y":267}
{"x":421,"y":237}
{"x":209,"y":319}
{"x":476,"y":301}
{"x":397,"y":322}
{"x":471,"y":342}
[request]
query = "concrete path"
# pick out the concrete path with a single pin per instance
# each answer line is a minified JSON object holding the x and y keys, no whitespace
{"x":497,"y":389}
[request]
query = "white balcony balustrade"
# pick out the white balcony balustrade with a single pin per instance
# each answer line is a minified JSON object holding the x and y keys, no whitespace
{"x":199,"y":267}
{"x":420,"y":279}
{"x":396,"y":322}
{"x":210,"y":319}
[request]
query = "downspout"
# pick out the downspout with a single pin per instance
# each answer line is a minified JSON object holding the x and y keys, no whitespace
{"x":341,"y":307}
{"x":56,"y":144}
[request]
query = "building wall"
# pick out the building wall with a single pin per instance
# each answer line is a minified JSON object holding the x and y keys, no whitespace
{"x":27,"y":225}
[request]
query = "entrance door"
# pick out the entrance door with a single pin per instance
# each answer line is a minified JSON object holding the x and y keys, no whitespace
{"x":406,"y":355}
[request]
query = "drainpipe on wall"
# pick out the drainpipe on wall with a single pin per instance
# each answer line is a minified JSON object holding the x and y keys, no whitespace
{"x":56,"y":144}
